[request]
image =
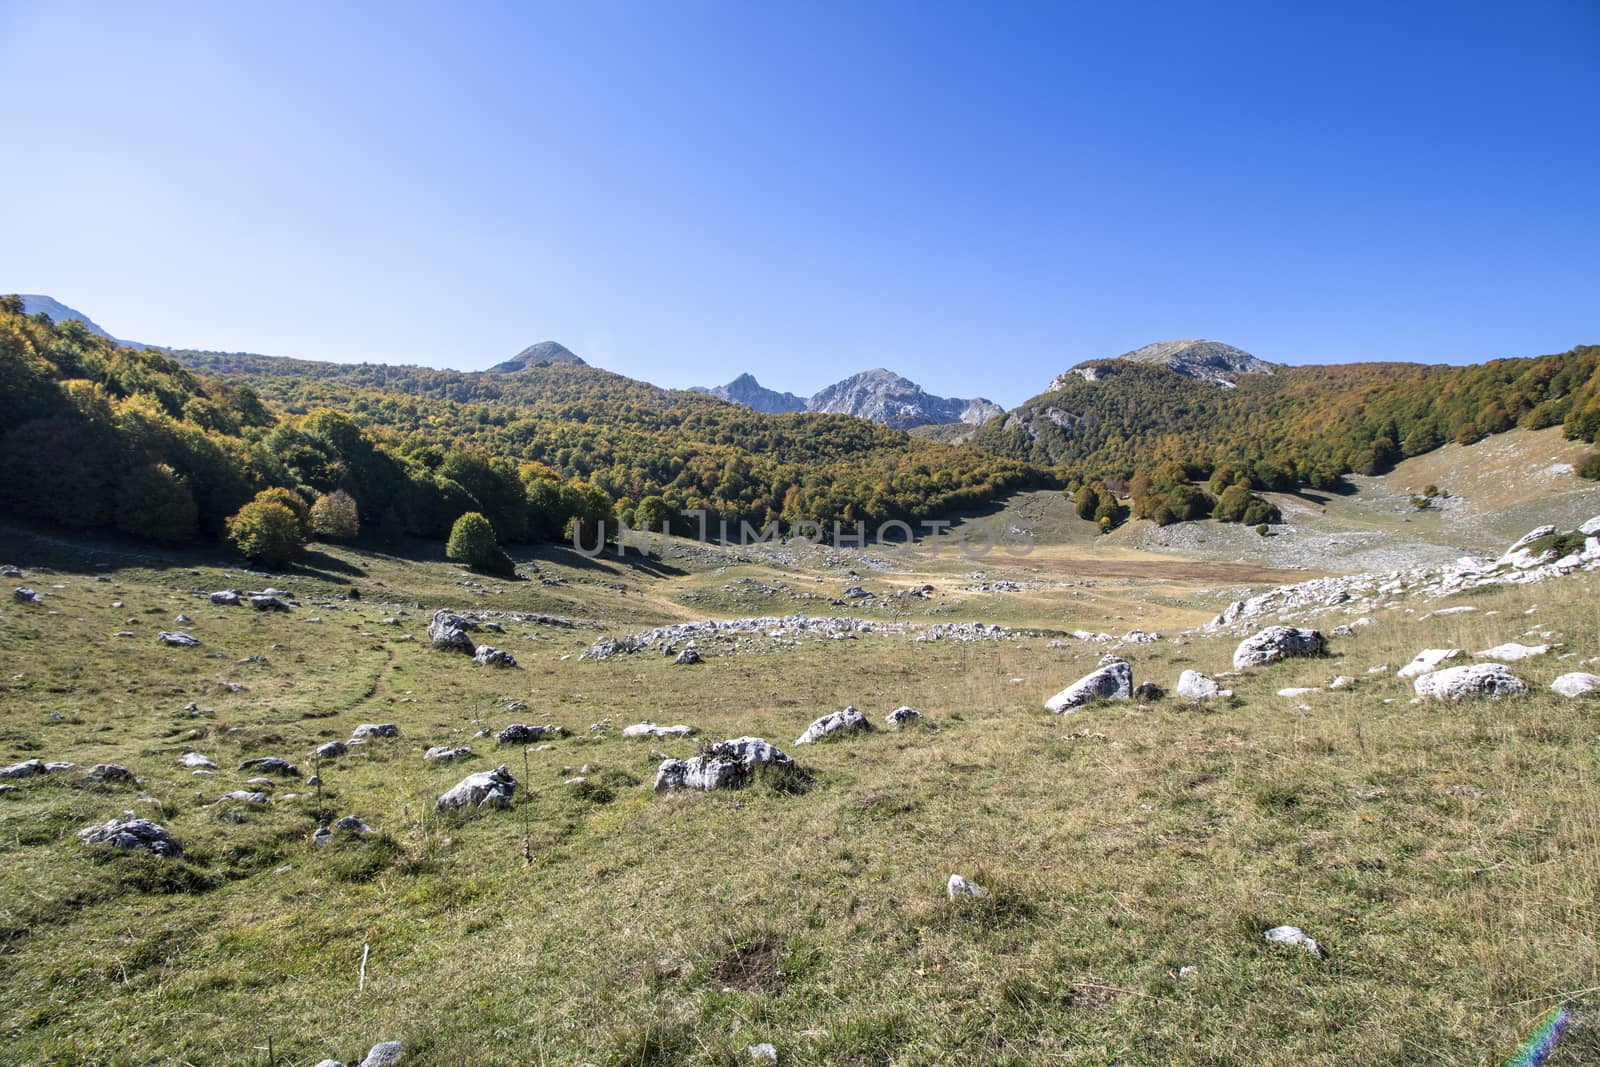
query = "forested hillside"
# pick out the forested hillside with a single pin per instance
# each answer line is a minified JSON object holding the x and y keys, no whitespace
{"x":94,"y":434}
{"x":1298,"y":426}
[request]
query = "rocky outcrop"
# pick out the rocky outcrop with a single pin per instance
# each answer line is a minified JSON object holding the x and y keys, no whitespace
{"x":485,"y":789}
{"x":724,"y":765}
{"x":133,"y":833}
{"x":452,"y":632}
{"x":837,"y":722}
{"x":1485,"y":680}
{"x":485,"y":656}
{"x":1277,"y":643}
{"x":370,"y":730}
{"x":1112,"y":681}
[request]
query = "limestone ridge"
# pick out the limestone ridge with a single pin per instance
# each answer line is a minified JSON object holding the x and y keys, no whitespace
{"x":533,"y":355}
{"x":878,"y":395}
{"x":1210,"y":361}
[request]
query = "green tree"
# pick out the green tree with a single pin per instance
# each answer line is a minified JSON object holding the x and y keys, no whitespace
{"x":473,"y":542}
{"x":335,"y":517}
{"x":651,"y":513}
{"x":267,"y":531}
{"x":294,"y":502}
{"x":154,"y":503}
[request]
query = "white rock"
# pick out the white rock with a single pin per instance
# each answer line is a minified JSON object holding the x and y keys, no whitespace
{"x":1576,"y":684}
{"x":1591,"y":528}
{"x":1293,"y":935}
{"x":1511,"y":652}
{"x":384,"y":1054}
{"x":903,"y":716}
{"x":958,"y":887}
{"x":765,"y":1052}
{"x":1113,"y":681}
{"x":1276,"y":643}
{"x":1192,"y":685}
{"x":485,"y":789}
{"x":847,"y":720}
{"x":1474,"y":680}
{"x":1294,"y":693}
{"x":650,"y":729}
{"x":1427,"y":660}
{"x":1343,"y":681}
{"x":725,"y":765}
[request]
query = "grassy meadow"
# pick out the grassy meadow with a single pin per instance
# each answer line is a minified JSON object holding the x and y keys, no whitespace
{"x":1447,"y":857}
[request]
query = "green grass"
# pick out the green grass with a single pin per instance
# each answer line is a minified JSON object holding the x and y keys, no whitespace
{"x":1447,"y":857}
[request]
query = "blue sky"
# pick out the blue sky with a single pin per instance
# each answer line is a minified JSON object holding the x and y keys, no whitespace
{"x":975,"y":195}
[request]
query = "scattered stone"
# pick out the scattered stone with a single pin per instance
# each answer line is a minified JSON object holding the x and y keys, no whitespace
{"x":958,"y":887}
{"x":1427,"y":660}
{"x":901,"y":717}
{"x":1192,"y":685}
{"x":182,"y":620}
{"x":245,"y":796}
{"x":650,"y":729}
{"x":330,"y":750}
{"x":724,"y":765}
{"x":369,"y":730}
{"x":352,"y":825}
{"x":521,"y":733}
{"x":268,"y":603}
{"x":688,"y":657}
{"x":1575,"y":684}
{"x":444,"y":753}
{"x":178,"y":639}
{"x":1112,"y":681}
{"x":451,"y":631}
{"x":384,"y":1054}
{"x":1148,"y":691}
{"x":1278,"y":643}
{"x":485,"y":789}
{"x":194,"y":759}
{"x":835,"y":722}
{"x":270,"y":765}
{"x":1343,"y":681}
{"x":24,"y":595}
{"x":1296,"y":692}
{"x":322,"y":837}
{"x":225,"y":598}
{"x":1512,"y":651}
{"x":485,"y":656}
{"x":1490,"y":680}
{"x":765,"y":1052}
{"x":132,"y":832}
{"x":25,"y":769}
{"x":10,"y":571}
{"x":108,"y":774}
{"x":1293,"y":935}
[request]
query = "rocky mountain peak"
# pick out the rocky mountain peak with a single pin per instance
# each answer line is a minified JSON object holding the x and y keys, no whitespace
{"x":543,"y":352}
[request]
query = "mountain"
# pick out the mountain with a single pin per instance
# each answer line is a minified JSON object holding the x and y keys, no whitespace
{"x":1210,"y":361}
{"x":879,"y":396}
{"x":32,"y":304}
{"x":533,"y":355}
{"x":752,"y":394}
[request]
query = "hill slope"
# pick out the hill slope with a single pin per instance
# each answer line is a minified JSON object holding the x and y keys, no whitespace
{"x":543,"y":352}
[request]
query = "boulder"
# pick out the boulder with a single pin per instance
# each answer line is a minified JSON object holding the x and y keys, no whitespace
{"x":485,"y":789}
{"x":444,"y":753}
{"x":1148,"y":691}
{"x":650,"y":729}
{"x":1490,"y":680}
{"x":330,"y":750}
{"x":1278,"y":643}
{"x":25,"y":769}
{"x":1192,"y":685}
{"x":368,"y":730}
{"x":484,"y":656}
{"x":521,"y":733}
{"x":835,"y":722}
{"x":270,"y":765}
{"x":724,"y":765}
{"x":245,"y":796}
{"x":225,"y":598}
{"x":194,"y":759}
{"x":1426,"y":661}
{"x":1588,"y":529}
{"x":1112,"y":681}
{"x":268,"y":603}
{"x":384,"y":1054}
{"x":24,"y":595}
{"x":1293,"y":935}
{"x":958,"y":887}
{"x":688,"y":657}
{"x":901,"y":717}
{"x":177,"y":639}
{"x":10,"y":571}
{"x":131,"y":832}
{"x":451,"y":631}
{"x":108,"y":774}
{"x":352,"y":825}
{"x":1512,"y":651}
{"x":1575,"y":684}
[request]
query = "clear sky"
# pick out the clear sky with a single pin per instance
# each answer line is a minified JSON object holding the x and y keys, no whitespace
{"x":975,"y":195}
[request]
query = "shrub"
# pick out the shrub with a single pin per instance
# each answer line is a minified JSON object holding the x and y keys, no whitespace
{"x":334,"y":517}
{"x":473,"y":542}
{"x":1590,"y":468}
{"x":153,"y":502}
{"x":267,"y":531}
{"x":294,"y":502}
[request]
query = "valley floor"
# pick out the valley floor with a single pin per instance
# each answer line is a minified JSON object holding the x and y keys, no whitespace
{"x":1447,"y":857}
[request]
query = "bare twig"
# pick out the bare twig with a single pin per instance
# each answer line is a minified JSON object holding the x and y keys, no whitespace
{"x":362,"y":984}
